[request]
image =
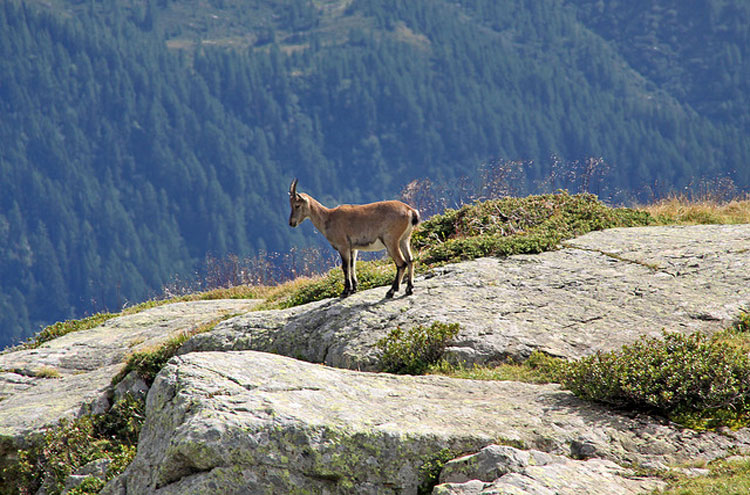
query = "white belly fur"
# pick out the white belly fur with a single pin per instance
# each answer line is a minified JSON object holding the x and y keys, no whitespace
{"x":375,"y":246}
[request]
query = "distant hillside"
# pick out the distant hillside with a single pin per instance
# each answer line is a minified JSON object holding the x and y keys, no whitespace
{"x":698,"y":52}
{"x":138,"y":137}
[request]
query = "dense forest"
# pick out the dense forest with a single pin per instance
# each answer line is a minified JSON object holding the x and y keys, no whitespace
{"x":138,"y":138}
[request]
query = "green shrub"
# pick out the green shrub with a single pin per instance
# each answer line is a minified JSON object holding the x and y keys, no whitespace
{"x":507,"y":226}
{"x":62,"y":449}
{"x":415,"y":351}
{"x":696,"y":380}
{"x":429,"y":471}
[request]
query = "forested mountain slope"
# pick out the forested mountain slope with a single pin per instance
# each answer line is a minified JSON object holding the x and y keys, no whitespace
{"x":136,"y":137}
{"x":696,"y":51}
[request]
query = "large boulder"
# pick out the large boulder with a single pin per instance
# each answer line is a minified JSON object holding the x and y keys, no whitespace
{"x":72,"y":375}
{"x":600,"y":291}
{"x":251,"y":422}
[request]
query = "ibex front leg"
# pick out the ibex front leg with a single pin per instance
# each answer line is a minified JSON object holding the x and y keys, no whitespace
{"x":347,"y":266}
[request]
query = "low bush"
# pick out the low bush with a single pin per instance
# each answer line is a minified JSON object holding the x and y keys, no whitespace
{"x":414,"y":351}
{"x":696,"y":380}
{"x":59,"y":451}
{"x":507,"y":226}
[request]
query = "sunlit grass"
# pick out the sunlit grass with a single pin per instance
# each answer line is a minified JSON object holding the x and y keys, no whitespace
{"x":686,"y":211}
{"x":726,"y":477}
{"x":538,"y":368}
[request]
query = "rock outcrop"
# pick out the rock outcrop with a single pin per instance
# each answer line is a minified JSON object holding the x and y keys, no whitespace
{"x":72,"y":375}
{"x":223,"y":417}
{"x":603,"y":290}
{"x":251,"y":422}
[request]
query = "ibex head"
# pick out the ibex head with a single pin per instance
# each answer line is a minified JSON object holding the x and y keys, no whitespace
{"x":300,"y":205}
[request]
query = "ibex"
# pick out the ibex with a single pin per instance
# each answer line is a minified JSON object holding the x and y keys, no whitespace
{"x":352,"y":228}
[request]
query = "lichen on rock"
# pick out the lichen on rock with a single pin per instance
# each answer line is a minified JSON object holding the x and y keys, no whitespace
{"x":286,"y":426}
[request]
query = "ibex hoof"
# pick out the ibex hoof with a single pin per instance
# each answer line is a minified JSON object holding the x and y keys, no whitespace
{"x":389,"y":294}
{"x":409,"y":291}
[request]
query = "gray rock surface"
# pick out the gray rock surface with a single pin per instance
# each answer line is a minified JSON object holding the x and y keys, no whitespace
{"x":72,"y":374}
{"x":502,"y":469}
{"x":603,"y":290}
{"x":251,"y":422}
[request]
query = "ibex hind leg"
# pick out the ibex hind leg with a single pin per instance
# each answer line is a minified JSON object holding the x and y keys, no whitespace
{"x":396,"y":281}
{"x":409,"y":272}
{"x":353,"y":271}
{"x":394,"y":250}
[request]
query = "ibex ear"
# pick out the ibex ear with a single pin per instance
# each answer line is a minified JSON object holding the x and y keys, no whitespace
{"x":293,"y":188}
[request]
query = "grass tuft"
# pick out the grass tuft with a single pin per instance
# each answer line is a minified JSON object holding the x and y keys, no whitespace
{"x":308,"y":289}
{"x":65,"y":327}
{"x":726,"y":477}
{"x":47,"y":372}
{"x":682,"y":210}
{"x":538,"y":368}
{"x":147,"y":363}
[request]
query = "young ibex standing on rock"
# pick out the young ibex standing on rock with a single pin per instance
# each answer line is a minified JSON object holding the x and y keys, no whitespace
{"x":353,"y":228}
